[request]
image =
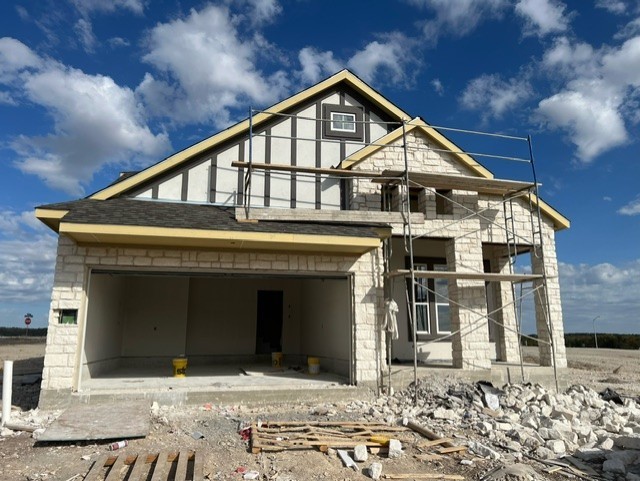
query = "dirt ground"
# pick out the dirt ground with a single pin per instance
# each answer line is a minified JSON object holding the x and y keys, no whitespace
{"x":224,"y":451}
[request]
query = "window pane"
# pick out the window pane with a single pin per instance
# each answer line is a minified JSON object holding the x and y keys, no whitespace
{"x":444,"y":319}
{"x":422,"y":315}
{"x":343,"y":122}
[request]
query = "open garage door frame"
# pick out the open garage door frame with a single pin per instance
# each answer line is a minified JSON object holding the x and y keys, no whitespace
{"x":99,"y":338}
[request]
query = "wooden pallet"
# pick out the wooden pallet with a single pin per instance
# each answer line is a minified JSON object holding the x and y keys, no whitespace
{"x":281,"y":436}
{"x":164,"y":466}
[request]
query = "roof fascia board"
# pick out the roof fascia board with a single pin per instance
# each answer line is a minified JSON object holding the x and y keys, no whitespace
{"x":179,"y":157}
{"x":219,"y":235}
{"x":51,"y":217}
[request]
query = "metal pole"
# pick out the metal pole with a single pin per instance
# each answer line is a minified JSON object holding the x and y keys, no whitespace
{"x":544,"y":270}
{"x":249,"y":171}
{"x":7,"y":382}
{"x":407,"y":211}
{"x":595,"y":334}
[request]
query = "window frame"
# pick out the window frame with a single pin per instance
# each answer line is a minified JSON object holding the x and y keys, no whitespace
{"x":327,"y":120}
{"x":432,"y":305}
{"x":62,"y":313}
{"x":351,"y":121}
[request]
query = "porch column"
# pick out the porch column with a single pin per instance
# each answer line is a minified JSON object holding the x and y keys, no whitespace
{"x":549,"y":266}
{"x":469,"y":304}
{"x":507,"y":337}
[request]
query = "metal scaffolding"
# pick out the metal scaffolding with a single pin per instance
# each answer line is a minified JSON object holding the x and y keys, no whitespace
{"x":526,"y":193}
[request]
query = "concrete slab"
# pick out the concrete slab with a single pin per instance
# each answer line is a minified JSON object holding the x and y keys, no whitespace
{"x":115,"y":420}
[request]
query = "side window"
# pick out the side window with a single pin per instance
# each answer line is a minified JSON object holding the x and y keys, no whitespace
{"x":68,"y":316}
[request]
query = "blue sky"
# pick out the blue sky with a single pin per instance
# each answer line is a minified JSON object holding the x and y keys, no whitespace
{"x":90,"y":88}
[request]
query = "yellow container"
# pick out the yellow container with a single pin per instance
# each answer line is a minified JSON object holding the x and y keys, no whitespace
{"x":314,"y":365}
{"x":276,"y":359}
{"x":179,"y":367}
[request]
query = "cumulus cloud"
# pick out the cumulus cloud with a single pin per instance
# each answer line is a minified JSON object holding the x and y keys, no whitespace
{"x":632,"y":208}
{"x":607,"y":290}
{"x":494,"y":96}
{"x":217,"y":76}
{"x":384,"y":60}
{"x":27,"y":257}
{"x":263,"y":11}
{"x":116,"y":42}
{"x":95,"y":121}
{"x":458,"y":18}
{"x":542,"y":17}
{"x":599,"y":96}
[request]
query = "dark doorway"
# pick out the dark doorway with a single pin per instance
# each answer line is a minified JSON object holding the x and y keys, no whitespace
{"x":269,"y":322}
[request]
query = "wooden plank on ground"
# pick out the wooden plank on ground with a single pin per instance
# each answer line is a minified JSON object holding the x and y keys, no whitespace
{"x":423,"y":476}
{"x":116,"y":468}
{"x":434,"y":442}
{"x":198,"y":466}
{"x":181,"y":468}
{"x":452,"y":449}
{"x":95,"y":473}
{"x":161,"y":468}
{"x":138,"y":468}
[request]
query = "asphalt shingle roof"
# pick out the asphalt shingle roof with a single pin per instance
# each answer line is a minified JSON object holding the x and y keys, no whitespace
{"x":179,"y":215}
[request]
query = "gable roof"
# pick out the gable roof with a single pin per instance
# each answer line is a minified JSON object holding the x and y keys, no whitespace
{"x":344,"y":77}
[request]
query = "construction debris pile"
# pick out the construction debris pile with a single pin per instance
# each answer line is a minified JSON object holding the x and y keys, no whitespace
{"x":597,"y":432}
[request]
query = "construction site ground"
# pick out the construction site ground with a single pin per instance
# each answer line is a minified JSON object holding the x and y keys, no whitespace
{"x":227,"y":456}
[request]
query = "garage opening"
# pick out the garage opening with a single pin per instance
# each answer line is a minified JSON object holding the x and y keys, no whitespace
{"x":225,"y":324}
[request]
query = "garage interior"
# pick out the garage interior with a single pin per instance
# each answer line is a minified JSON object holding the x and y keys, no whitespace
{"x":227,"y":325}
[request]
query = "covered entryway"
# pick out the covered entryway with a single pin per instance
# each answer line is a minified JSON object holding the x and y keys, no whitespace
{"x":226,"y":324}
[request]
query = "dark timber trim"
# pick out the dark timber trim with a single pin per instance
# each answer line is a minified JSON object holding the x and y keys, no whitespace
{"x":294,"y":160}
{"x":185,"y":185}
{"x":213,"y":178}
{"x":267,"y":174}
{"x":240,"y":196}
{"x":318,"y":153}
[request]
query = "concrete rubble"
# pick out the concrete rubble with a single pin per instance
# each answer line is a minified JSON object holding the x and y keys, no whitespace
{"x":530,"y":421}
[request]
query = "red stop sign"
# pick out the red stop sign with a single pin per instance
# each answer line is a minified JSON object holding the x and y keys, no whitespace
{"x":27,"y":320}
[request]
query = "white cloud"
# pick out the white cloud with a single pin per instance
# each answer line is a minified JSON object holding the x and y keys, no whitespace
{"x":542,"y":17}
{"x":458,"y":17}
{"x":606,"y":198}
{"x":437,"y":86}
{"x":387,"y":60}
{"x":14,"y":58}
{"x":494,"y":96}
{"x":632,"y":208}
{"x":218,"y":75}
{"x":263,"y":11}
{"x":84,"y":32}
{"x":599,"y":97}
{"x":95,"y":122}
{"x":27,"y":257}
{"x":631,"y":29}
{"x":115,"y":42}
{"x":604,"y":290}
{"x":614,"y":6}
{"x":87,"y":7}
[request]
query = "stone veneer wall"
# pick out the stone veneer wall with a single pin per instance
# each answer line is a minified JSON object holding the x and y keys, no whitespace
{"x":71,"y":278}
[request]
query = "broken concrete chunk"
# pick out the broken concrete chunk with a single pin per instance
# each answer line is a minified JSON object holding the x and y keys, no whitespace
{"x":607,"y":444}
{"x":360,"y":453}
{"x":484,"y":451}
{"x":443,"y":413}
{"x":614,"y":465}
{"x":347,"y":460}
{"x":374,"y":471}
{"x":557,"y":446}
{"x":395,"y":448}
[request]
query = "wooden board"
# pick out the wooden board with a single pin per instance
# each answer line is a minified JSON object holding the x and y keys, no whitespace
{"x":87,"y":422}
{"x":140,"y":467}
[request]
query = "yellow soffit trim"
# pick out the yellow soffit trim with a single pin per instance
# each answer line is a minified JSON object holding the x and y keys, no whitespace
{"x":430,"y":132}
{"x":218,"y":235}
{"x":50,"y":213}
{"x":236,"y":129}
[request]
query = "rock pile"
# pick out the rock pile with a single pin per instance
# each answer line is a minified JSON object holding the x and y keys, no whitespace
{"x":599,"y":429}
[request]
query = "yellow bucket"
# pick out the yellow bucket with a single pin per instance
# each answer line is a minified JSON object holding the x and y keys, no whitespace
{"x":276,"y":359}
{"x":314,"y":365}
{"x":179,"y":367}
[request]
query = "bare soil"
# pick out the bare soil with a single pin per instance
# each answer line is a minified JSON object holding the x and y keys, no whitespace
{"x":22,"y":458}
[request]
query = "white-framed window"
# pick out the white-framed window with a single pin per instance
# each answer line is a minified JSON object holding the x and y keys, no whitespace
{"x":441,"y":301}
{"x":343,"y":122}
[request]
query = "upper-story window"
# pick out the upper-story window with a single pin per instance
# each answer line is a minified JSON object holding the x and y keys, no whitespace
{"x":343,"y":122}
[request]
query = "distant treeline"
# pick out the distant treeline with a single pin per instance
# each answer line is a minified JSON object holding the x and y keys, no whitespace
{"x":22,"y":331}
{"x":607,"y":341}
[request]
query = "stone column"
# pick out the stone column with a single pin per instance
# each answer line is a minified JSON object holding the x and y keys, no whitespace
{"x":469,"y":307}
{"x":548,"y":264}
{"x":505,"y":316}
